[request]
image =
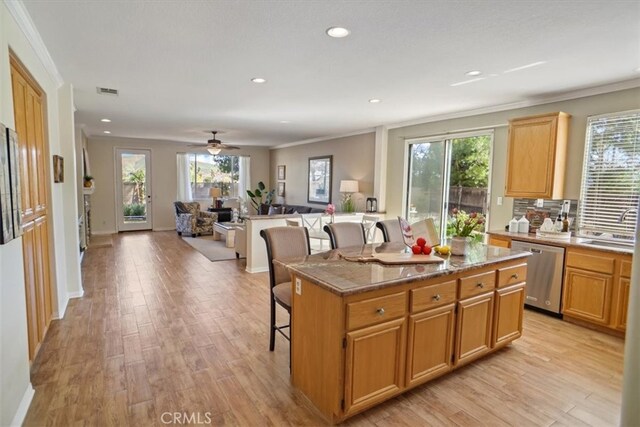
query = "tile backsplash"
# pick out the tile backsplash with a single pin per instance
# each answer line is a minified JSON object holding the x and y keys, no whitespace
{"x":550,"y":208}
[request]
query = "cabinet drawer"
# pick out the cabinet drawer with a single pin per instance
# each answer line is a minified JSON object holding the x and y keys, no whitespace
{"x":512,"y":275}
{"x":600,"y":263}
{"x":475,"y":285}
{"x":625,"y":268}
{"x":376,"y":310}
{"x":498,"y":241}
{"x":433,"y":296}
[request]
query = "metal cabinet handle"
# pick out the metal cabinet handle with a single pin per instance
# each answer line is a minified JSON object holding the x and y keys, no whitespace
{"x":380,"y":311}
{"x":514,"y":276}
{"x":480,"y":285}
{"x":436,"y":297}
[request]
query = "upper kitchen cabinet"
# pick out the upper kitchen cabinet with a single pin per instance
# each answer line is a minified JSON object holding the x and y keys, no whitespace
{"x":536,"y":156}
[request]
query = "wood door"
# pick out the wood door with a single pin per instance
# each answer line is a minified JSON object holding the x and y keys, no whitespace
{"x":28,"y":104}
{"x":474,"y":323}
{"x":587,"y":295}
{"x":508,"y":315}
{"x":430,"y":344}
{"x":374,"y":367}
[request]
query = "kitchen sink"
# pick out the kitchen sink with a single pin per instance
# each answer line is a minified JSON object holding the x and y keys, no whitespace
{"x":608,"y":244}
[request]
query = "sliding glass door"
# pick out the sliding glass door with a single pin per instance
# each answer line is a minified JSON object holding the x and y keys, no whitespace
{"x":446,"y":173}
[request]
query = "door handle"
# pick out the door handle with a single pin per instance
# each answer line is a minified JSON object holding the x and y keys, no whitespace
{"x":536,"y":251}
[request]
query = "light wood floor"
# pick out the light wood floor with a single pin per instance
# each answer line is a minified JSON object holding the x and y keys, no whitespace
{"x":162,"y":329}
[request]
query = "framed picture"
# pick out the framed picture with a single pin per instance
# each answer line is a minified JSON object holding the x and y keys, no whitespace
{"x":281,"y":189}
{"x":58,"y":168}
{"x":14,"y":183}
{"x":320,"y":175}
{"x":282,"y":172}
{"x":6,"y":221}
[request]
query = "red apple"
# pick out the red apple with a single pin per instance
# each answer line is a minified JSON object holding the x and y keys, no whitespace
{"x":417,"y":250}
{"x":421,"y":242}
{"x":426,"y":250}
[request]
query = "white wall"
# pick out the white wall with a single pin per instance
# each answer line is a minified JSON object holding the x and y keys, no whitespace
{"x":14,"y":361}
{"x":353,"y":158}
{"x":163,"y":177}
{"x":579,"y":109}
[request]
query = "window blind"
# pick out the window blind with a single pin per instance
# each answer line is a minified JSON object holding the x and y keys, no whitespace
{"x":611,"y":176}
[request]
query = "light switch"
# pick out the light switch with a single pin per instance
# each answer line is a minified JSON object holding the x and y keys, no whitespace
{"x":499,"y":201}
{"x":540,"y":203}
{"x":298,"y":286}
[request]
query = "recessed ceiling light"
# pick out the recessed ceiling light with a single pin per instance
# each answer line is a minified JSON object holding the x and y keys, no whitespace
{"x":284,"y":121}
{"x":258,"y":80}
{"x":473,"y":73}
{"x":105,"y":120}
{"x":337,"y":32}
{"x":374,"y":100}
{"x":106,"y":131}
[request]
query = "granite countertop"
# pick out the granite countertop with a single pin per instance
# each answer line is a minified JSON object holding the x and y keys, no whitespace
{"x":297,"y":215}
{"x":331,"y":271}
{"x":579,"y":242}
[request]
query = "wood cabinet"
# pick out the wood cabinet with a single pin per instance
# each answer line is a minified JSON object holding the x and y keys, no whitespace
{"x":503,"y":242}
{"x":349,"y":353}
{"x":596,"y":287}
{"x":374,"y":367}
{"x":536,"y":156}
{"x":475,"y":318}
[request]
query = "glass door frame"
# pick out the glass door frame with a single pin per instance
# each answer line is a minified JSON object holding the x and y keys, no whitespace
{"x":445,"y":139}
{"x":120,"y":224}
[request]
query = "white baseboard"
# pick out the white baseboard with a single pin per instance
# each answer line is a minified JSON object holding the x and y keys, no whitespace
{"x":256,"y":270}
{"x":164,"y":228}
{"x":77,"y":294}
{"x":23,"y":407}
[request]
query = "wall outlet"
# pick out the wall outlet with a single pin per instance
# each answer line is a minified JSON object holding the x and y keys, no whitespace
{"x":540,"y":203}
{"x":499,"y":201}
{"x":566,"y":206}
{"x":298,"y":286}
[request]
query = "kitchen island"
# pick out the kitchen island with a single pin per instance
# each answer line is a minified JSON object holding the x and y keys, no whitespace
{"x":363,"y":332}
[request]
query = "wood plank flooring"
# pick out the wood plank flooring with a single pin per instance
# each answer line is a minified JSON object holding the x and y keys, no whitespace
{"x":162,"y":329}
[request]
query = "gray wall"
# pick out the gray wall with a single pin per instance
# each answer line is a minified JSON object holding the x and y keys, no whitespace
{"x":353,"y":158}
{"x":580,"y":109}
{"x":164,"y":184}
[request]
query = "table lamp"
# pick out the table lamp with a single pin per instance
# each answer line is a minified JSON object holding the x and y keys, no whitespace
{"x":347,"y":188}
{"x":215,"y":192}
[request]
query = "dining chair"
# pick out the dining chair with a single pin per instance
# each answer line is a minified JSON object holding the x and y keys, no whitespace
{"x":313,"y":222}
{"x":390,"y":230}
{"x":344,"y":234}
{"x":369,"y":224}
{"x":292,"y":223}
{"x":282,"y":242}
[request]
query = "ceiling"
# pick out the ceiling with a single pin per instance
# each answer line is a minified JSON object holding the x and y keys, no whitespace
{"x":185,"y":67}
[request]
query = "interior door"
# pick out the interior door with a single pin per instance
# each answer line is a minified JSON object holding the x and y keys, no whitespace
{"x":133,"y":189}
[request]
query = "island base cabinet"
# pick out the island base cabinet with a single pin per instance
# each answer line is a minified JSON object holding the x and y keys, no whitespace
{"x":508,"y":315}
{"x":475,"y":316}
{"x":430,"y":344}
{"x":374,"y":368}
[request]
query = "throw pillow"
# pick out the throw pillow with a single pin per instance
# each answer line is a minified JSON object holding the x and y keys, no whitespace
{"x":275,"y":210}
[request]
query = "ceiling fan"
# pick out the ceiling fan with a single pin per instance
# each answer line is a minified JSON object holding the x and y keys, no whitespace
{"x":214,"y":146}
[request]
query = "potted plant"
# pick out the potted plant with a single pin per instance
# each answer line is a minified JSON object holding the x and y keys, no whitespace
{"x":88,"y":181}
{"x":256,"y":196}
{"x":462,"y":227}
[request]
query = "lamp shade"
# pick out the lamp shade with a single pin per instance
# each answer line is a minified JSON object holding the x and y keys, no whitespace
{"x":213,"y":150}
{"x":215,"y":192}
{"x":348,"y":186}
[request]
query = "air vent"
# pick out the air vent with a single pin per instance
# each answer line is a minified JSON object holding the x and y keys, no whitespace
{"x":107,"y":91}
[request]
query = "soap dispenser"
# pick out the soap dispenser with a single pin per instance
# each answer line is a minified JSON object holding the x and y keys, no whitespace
{"x":513,"y":225}
{"x":523,"y":225}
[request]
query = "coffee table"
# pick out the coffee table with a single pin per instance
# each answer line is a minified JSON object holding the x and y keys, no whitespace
{"x":228,"y":230}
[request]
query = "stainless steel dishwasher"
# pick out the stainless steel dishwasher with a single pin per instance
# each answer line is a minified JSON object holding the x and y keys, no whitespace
{"x":544,"y":275}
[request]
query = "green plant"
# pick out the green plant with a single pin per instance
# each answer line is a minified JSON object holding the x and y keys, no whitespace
{"x":257,"y":195}
{"x":88,"y":178}
{"x":348,"y":204}
{"x":134,"y":209}
{"x":462,"y":224}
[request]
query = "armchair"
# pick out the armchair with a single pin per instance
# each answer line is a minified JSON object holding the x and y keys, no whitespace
{"x":191,"y":220}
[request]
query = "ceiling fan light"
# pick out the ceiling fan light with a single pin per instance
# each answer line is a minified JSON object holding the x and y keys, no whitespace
{"x":214,"y":150}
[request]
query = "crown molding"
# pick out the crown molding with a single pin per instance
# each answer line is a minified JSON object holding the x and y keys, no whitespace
{"x":580,"y":93}
{"x":322,"y":138}
{"x":23,"y":19}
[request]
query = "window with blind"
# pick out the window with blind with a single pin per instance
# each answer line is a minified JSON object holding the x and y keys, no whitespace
{"x":611,"y":176}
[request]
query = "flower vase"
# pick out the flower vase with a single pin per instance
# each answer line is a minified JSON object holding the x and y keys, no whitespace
{"x":459,"y":245}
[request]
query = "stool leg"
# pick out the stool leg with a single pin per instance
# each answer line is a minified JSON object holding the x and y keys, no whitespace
{"x":272,"y":335}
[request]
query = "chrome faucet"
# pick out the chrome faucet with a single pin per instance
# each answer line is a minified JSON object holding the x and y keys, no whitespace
{"x":625,"y":213}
